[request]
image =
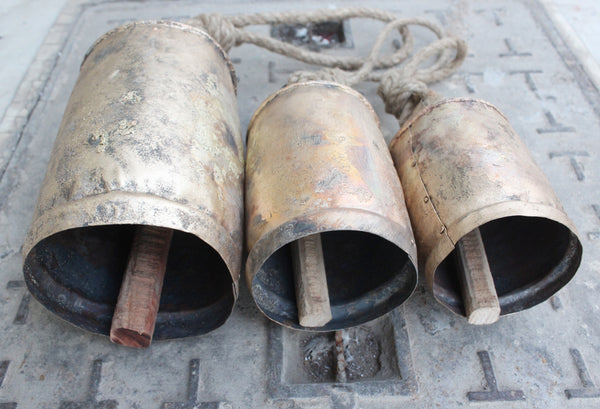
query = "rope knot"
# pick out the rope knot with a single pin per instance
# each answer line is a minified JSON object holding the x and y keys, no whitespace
{"x":220,"y":28}
{"x":401,"y":93}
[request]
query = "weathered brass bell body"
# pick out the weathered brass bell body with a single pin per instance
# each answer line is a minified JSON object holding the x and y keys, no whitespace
{"x":317,"y":163}
{"x":150,"y":136}
{"x":462,"y":167}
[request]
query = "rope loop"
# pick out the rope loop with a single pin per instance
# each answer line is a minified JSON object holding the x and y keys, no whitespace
{"x":220,"y":28}
{"x":401,"y":87}
{"x":325,"y":74}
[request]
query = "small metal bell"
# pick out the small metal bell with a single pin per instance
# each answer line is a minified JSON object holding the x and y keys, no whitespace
{"x":463,"y":168}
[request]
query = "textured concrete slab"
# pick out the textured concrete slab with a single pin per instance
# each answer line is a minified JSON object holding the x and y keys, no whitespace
{"x":421,"y":356}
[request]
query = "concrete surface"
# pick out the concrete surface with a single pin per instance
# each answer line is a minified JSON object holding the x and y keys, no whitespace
{"x":546,"y":357}
{"x":24,"y":27}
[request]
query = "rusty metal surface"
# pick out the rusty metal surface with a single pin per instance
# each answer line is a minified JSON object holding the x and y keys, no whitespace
{"x":462,"y":166}
{"x":317,"y":163}
{"x":150,"y":136}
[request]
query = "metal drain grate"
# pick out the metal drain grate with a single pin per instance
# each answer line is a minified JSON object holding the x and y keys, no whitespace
{"x":328,"y":34}
{"x":376,"y":358}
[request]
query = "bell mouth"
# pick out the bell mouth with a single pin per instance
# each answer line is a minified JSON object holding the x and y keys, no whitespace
{"x":77,"y":274}
{"x":367,"y":276}
{"x":530,"y":259}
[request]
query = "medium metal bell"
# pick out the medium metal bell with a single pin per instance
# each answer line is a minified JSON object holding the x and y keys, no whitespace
{"x":322,"y":197}
{"x":150,"y":136}
{"x":463,"y":168}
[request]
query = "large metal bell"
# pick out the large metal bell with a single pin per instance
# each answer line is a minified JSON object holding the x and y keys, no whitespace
{"x":150,"y":136}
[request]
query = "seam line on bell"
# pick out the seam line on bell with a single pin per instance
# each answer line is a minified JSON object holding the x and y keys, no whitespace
{"x":415,"y":161}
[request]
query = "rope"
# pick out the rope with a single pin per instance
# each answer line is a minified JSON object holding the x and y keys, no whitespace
{"x":400,"y":87}
{"x":228,"y":32}
{"x":403,"y":88}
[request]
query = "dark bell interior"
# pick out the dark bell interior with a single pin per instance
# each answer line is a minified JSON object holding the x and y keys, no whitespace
{"x":530,"y":258}
{"x":77,"y":273}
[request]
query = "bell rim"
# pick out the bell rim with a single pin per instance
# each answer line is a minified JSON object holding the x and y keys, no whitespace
{"x":380,"y":226}
{"x":81,"y":219}
{"x":94,"y":323}
{"x":458,"y":229}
